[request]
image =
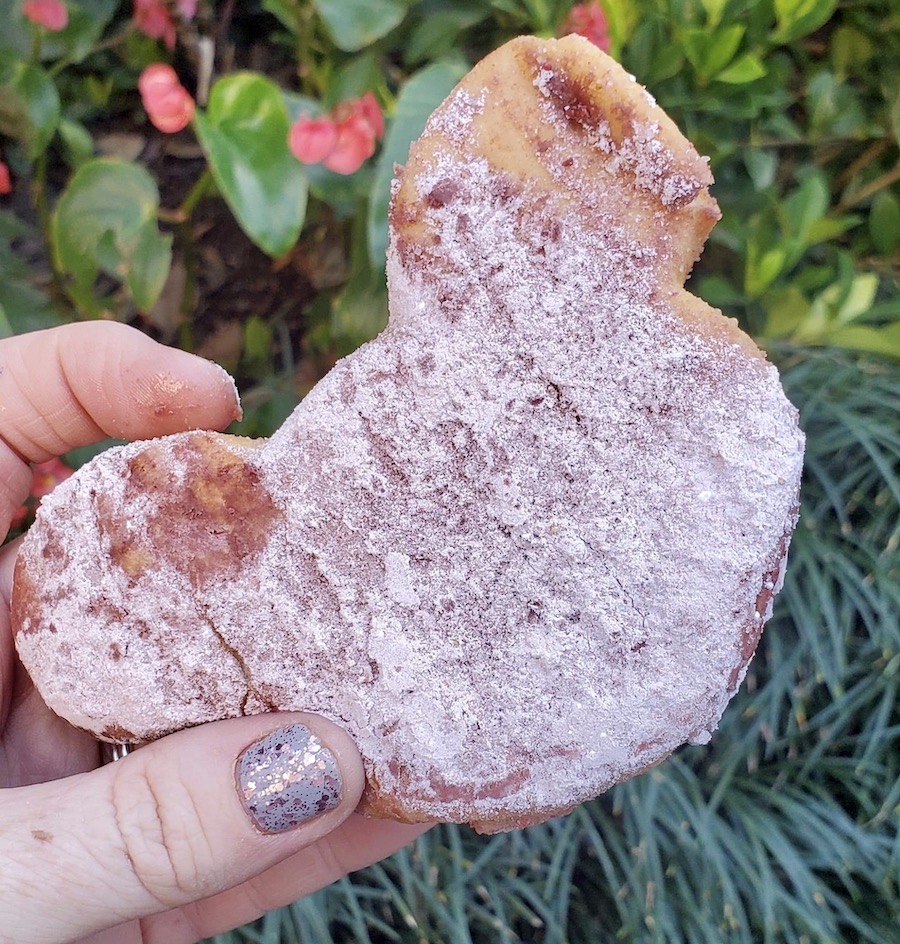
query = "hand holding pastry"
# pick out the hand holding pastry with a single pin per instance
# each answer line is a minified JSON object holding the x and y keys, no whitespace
{"x":189,"y":836}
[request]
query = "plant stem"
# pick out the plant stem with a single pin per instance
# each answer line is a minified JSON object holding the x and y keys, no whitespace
{"x":195,"y":194}
{"x":184,"y":214}
{"x":42,"y":208}
{"x":109,"y":43}
{"x":880,"y":183}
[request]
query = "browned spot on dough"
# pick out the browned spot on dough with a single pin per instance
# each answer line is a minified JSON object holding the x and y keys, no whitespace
{"x":752,"y":630}
{"x":463,"y":792}
{"x":574,"y":100}
{"x":26,"y":612}
{"x":211,"y":511}
{"x":443,"y":192}
{"x":115,"y":732}
{"x":133,"y":560}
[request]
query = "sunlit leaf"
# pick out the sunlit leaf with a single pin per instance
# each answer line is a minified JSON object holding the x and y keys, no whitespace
{"x":354,"y":24}
{"x":244,"y":134}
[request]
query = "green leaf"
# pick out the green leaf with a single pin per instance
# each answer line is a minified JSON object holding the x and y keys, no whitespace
{"x":763,"y":266}
{"x":98,"y":90}
{"x":418,"y":98}
{"x":26,"y":307}
{"x":884,"y":222}
{"x":355,"y":77}
{"x":798,"y":18}
{"x":258,"y":339}
{"x":29,"y":105}
{"x":709,"y":52}
{"x":87,"y":20}
{"x":828,"y":228}
{"x":834,"y":108}
{"x":850,"y":49}
{"x":884,"y":341}
{"x":287,"y":12}
{"x":622,"y":18}
{"x":355,"y":24}
{"x":744,"y":69}
{"x":858,"y":299}
{"x":15,"y":34}
{"x":714,"y":10}
{"x":786,"y":312}
{"x":806,"y":205}
{"x":762,"y":167}
{"x":436,"y":35}
{"x":359,"y":312}
{"x":106,"y":221}
{"x":77,"y":141}
{"x":244,"y":134}
{"x":149,"y":265}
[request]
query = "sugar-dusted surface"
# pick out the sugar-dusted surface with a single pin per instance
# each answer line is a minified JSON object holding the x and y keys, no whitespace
{"x":517,"y":545}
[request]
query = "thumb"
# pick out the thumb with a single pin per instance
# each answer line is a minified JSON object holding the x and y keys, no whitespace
{"x":181,"y":819}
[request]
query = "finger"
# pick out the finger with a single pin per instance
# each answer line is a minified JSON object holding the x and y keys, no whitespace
{"x":35,"y":744}
{"x":7,"y":650}
{"x":7,"y":566}
{"x":179,"y":820}
{"x":357,"y":842}
{"x":73,"y":385}
{"x":80,"y":383}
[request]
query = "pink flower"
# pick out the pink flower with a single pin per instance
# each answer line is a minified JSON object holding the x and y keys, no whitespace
{"x":312,"y":139}
{"x":153,"y":19}
{"x":47,"y":475}
{"x":343,"y":140}
{"x":355,"y":145}
{"x":51,"y":14}
{"x":370,"y":110}
{"x":168,"y":103}
{"x":5,"y":179}
{"x":588,"y":20}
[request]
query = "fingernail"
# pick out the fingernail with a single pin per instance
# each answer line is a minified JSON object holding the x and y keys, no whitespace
{"x":229,"y":381}
{"x":287,"y":778}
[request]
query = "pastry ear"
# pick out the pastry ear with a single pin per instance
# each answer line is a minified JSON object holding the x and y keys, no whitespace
{"x":603,"y":150}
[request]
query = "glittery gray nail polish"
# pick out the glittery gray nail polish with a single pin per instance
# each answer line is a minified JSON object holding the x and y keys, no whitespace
{"x":287,"y":778}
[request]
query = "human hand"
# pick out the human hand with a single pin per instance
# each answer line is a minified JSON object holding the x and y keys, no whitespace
{"x":170,"y":844}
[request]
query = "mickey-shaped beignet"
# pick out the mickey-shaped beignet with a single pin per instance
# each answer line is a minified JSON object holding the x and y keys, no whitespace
{"x":521,"y":546}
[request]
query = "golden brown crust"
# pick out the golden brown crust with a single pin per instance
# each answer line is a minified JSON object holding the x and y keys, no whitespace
{"x":590,"y":89}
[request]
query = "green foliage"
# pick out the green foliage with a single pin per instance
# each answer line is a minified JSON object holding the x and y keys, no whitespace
{"x":106,"y":221}
{"x":29,"y":105}
{"x":355,"y":24}
{"x":244,"y":134}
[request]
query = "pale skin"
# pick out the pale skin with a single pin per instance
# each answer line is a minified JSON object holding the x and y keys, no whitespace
{"x":155,"y":848}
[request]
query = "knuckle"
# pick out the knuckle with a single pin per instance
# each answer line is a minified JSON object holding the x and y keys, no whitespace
{"x":161,"y":835}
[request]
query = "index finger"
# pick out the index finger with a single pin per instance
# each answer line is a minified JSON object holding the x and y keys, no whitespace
{"x":74,"y":385}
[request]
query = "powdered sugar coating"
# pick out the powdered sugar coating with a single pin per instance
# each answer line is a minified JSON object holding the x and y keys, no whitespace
{"x":519,"y":541}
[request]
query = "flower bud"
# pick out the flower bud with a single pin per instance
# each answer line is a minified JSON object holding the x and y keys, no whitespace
{"x":312,"y":139}
{"x":168,"y":103}
{"x":51,"y":14}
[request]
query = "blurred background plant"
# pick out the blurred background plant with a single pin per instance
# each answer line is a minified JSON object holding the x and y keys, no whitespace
{"x":217,"y":174}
